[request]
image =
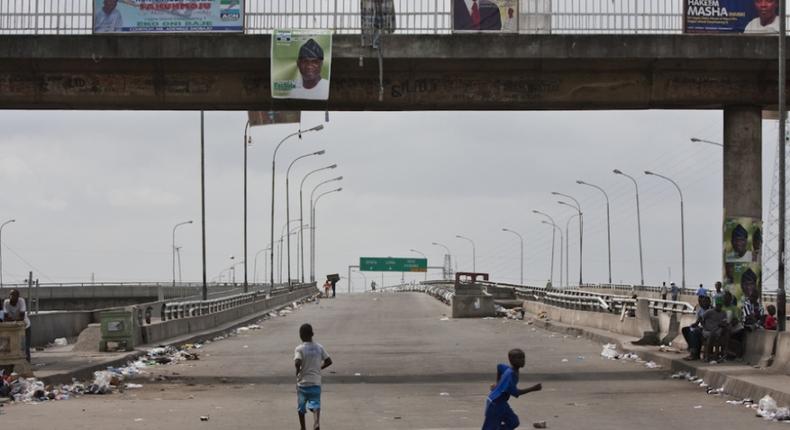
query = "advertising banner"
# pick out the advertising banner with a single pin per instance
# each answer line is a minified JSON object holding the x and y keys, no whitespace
{"x":499,"y":16}
{"x":259,"y":117}
{"x":731,"y":16}
{"x":301,"y":64}
{"x":743,"y":241}
{"x":168,"y":16}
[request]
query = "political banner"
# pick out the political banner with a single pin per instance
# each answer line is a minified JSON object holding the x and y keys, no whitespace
{"x":301,"y":64}
{"x":259,"y":117}
{"x":499,"y":16}
{"x":731,"y":16}
{"x":743,"y":241}
{"x":168,"y":16}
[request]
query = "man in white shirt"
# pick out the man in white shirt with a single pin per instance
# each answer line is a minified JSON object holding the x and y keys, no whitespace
{"x":310,"y":85}
{"x":108,"y":19}
{"x":766,"y":21}
{"x":511,"y":23}
{"x":309,"y":358}
{"x":15,"y":309}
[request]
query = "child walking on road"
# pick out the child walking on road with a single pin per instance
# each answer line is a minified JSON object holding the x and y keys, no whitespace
{"x":499,"y":415}
{"x":310,"y":358}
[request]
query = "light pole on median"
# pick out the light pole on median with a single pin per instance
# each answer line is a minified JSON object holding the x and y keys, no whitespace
{"x":521,"y":238}
{"x":1,"y":249}
{"x":567,"y":247}
{"x":555,"y":228}
{"x":312,"y":223}
{"x":423,"y":256}
{"x":608,"y":224}
{"x":578,"y":207}
{"x":313,"y":205}
{"x":274,"y":158}
{"x":450,"y":259}
{"x":255,"y":266}
{"x":301,"y":213}
{"x":286,"y":227}
{"x":288,"y":203}
{"x":173,"y":252}
{"x":682,"y":229}
{"x":638,"y":223}
{"x":474,"y":256}
{"x":553,"y":239}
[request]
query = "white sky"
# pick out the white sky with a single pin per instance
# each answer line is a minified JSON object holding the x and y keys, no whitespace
{"x":99,"y":192}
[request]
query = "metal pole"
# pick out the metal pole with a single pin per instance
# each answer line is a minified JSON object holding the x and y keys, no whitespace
{"x":246,"y":144}
{"x":203,"y":199}
{"x":567,"y":246}
{"x":314,"y":204}
{"x":450,"y":262}
{"x":288,"y":204}
{"x":474,"y":256}
{"x":578,"y":207}
{"x":424,"y":256}
{"x":608,"y":225}
{"x":301,"y":214}
{"x":1,"y":249}
{"x":547,"y":216}
{"x":312,"y":225}
{"x":682,"y":229}
{"x":781,"y":294}
{"x":521,"y":241}
{"x":638,"y":224}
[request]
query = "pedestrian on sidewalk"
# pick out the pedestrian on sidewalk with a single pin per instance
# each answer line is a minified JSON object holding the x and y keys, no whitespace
{"x":663,"y":291}
{"x":309,"y":358}
{"x":327,"y":286}
{"x":674,"y":291}
{"x":498,"y":414}
{"x":15,"y":309}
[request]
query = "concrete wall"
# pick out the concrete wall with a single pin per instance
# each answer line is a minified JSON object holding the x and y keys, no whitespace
{"x":49,"y":326}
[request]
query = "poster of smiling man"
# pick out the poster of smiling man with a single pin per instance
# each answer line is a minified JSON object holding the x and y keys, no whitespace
{"x":731,"y":16}
{"x":743,"y":242}
{"x":301,"y":64}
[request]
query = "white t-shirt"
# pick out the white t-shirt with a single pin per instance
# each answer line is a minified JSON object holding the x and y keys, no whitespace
{"x":754,"y":26}
{"x":104,"y":23}
{"x":318,"y":92}
{"x":12,"y":312}
{"x":312,"y":355}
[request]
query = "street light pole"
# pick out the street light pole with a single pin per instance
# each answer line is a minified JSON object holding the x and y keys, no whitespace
{"x":474,"y":256}
{"x":521,"y":239}
{"x":288,"y":202}
{"x":301,"y":213}
{"x":274,"y":158}
{"x":682,"y":229}
{"x":247,"y":142}
{"x":173,"y":251}
{"x":567,"y":246}
{"x":313,"y":205}
{"x":638,"y":223}
{"x":608,"y":224}
{"x":553,"y":238}
{"x":286,"y":228}
{"x":450,"y":255}
{"x":782,"y":142}
{"x":578,"y":207}
{"x":423,"y":256}
{"x":1,"y":249}
{"x":255,"y":266}
{"x":555,"y":228}
{"x":312,"y":225}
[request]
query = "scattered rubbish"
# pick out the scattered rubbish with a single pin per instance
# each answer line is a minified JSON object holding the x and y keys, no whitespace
{"x":245,"y":346}
{"x":681,"y":375}
{"x":357,"y":374}
{"x":581,"y":357}
{"x":652,"y":365}
{"x":133,"y":386}
{"x":766,"y":407}
{"x":698,"y":407}
{"x":564,"y":360}
{"x":204,"y":418}
{"x":540,"y":425}
{"x":609,"y":351}
{"x":61,"y":341}
{"x":713,"y":362}
{"x":444,"y":319}
{"x":444,"y":394}
{"x":137,"y":420}
{"x":715,"y":391}
{"x":396,"y":418}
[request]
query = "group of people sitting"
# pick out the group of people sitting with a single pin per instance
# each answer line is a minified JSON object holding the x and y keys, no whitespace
{"x":720,"y":329}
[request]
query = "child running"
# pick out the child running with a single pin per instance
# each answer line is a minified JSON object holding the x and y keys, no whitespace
{"x":310,"y":358}
{"x":499,"y":415}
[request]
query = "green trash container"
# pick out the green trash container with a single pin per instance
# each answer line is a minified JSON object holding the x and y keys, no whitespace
{"x":119,"y":327}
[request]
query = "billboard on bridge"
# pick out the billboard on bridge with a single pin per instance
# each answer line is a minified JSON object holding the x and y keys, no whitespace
{"x":301,"y":64}
{"x":499,"y":16}
{"x":731,"y":16}
{"x":168,"y":16}
{"x":743,"y":240}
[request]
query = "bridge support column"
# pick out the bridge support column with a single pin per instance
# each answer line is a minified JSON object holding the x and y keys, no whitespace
{"x":743,"y":204}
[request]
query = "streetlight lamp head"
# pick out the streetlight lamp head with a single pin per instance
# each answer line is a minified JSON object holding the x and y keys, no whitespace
{"x":339,"y":178}
{"x":580,"y":182}
{"x":333,"y":166}
{"x":504,"y":229}
{"x":458,"y":236}
{"x":694,"y":139}
{"x":648,"y":172}
{"x":544,"y":222}
{"x":13,"y":220}
{"x":434,"y":243}
{"x":189,"y":222}
{"x":617,"y":172}
{"x":339,"y":189}
{"x":535,"y":211}
{"x":319,"y":127}
{"x":554,"y":193}
{"x":321,"y":152}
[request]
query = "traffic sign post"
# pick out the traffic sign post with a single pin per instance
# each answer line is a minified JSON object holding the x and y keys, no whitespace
{"x":390,"y":264}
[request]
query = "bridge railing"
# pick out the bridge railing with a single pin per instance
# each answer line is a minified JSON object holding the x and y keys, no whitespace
{"x":412,"y":16}
{"x":192,"y":308}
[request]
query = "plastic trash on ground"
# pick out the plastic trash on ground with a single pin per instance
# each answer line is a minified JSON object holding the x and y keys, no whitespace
{"x":609,"y":351}
{"x":61,"y":341}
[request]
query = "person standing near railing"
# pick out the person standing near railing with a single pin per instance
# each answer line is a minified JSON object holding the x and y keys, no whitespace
{"x":674,"y":291}
{"x":15,"y":309}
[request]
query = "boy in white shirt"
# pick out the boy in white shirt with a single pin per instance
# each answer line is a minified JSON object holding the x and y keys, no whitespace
{"x":15,"y":309}
{"x":309,"y":358}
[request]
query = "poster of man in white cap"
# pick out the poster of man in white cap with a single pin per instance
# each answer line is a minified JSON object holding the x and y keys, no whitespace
{"x":301,"y":64}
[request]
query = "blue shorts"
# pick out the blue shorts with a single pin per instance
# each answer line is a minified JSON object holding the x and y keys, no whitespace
{"x":308,"y":397}
{"x":499,"y":416}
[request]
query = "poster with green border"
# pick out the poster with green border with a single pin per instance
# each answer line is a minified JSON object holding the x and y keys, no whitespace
{"x":301,"y":64}
{"x":742,"y":248}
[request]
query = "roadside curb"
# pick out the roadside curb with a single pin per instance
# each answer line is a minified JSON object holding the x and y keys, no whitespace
{"x":86,"y":372}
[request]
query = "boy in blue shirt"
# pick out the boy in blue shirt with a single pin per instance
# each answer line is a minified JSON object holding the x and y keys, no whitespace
{"x":498,"y":414}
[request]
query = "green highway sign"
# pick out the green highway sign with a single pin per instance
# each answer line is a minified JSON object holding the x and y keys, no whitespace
{"x":390,"y":264}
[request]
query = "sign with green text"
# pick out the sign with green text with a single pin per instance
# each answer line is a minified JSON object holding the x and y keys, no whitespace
{"x":390,"y":264}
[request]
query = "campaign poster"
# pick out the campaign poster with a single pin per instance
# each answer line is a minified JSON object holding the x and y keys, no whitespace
{"x":731,"y":16}
{"x":743,"y":242}
{"x":259,"y":117}
{"x":301,"y":64}
{"x":168,"y":16}
{"x":500,"y":16}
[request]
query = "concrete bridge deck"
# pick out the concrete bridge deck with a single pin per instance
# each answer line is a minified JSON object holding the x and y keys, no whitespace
{"x":421,"y":72}
{"x":398,"y":365}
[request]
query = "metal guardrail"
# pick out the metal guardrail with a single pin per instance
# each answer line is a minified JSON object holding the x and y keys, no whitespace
{"x":192,"y":308}
{"x":768,"y":296}
{"x":443,"y":293}
{"x":135,"y":284}
{"x":412,"y":16}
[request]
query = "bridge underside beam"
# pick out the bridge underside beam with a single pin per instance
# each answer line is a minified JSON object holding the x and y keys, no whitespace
{"x":676,"y":72}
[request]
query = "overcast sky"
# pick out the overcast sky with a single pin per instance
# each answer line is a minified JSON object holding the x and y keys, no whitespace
{"x":99,"y":192}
